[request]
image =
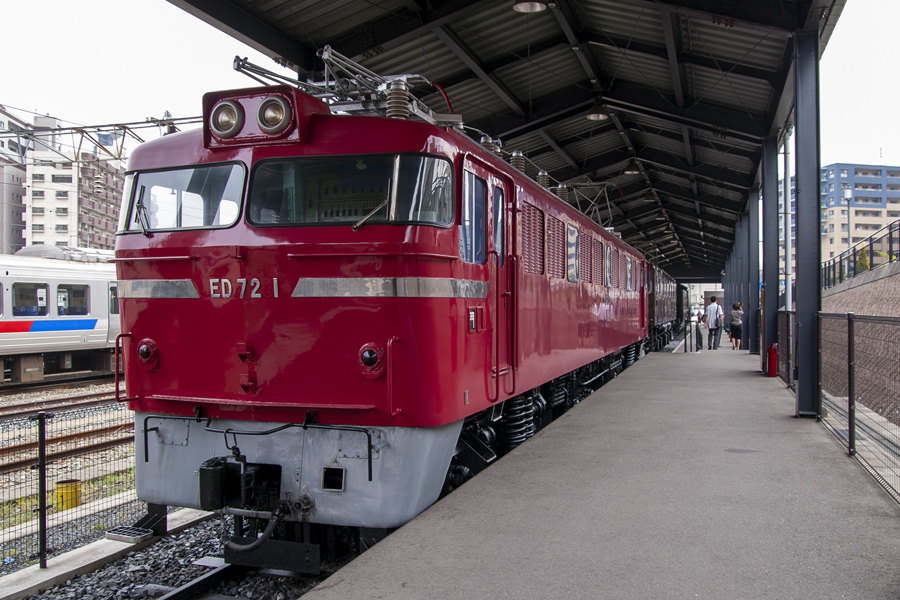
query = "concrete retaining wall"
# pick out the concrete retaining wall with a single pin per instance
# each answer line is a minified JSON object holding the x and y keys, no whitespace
{"x":876,"y":292}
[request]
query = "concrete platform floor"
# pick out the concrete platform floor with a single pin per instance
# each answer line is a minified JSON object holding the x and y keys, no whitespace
{"x":686,"y":477}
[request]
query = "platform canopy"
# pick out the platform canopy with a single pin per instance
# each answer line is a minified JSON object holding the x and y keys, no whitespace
{"x":689,"y":89}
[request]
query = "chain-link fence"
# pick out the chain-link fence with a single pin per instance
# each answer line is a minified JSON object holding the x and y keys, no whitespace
{"x":787,"y":345}
{"x":860,"y":379}
{"x":66,"y":477}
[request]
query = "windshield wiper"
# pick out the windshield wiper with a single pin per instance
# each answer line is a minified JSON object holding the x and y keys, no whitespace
{"x":143,"y":213}
{"x":358,"y":224}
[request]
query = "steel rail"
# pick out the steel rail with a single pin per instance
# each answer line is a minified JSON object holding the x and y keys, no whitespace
{"x":24,"y":463}
{"x":28,"y":409}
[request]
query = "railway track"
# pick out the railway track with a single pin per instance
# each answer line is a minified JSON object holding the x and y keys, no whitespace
{"x":21,"y":410}
{"x":83,"y":434}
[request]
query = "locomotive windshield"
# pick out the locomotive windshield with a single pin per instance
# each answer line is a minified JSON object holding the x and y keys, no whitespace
{"x":352,"y":190}
{"x":208,"y":196}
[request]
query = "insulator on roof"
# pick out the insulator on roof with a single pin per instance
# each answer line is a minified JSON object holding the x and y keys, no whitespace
{"x":487,"y":142}
{"x":543,"y":178}
{"x":517,"y":160}
{"x":563,"y":193}
{"x":398,"y":100}
{"x":498,"y":146}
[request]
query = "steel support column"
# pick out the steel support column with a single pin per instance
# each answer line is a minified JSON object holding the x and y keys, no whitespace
{"x":751,"y":307}
{"x":770,"y":244}
{"x":808,"y":298}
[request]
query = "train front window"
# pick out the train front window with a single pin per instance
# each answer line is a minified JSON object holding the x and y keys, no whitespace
{"x":352,"y":190}
{"x":189,"y":198}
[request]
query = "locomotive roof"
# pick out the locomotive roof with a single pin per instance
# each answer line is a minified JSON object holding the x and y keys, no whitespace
{"x":692,"y":87}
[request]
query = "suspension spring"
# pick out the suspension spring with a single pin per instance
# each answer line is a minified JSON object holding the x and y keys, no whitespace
{"x":629,"y":356}
{"x":517,"y":423}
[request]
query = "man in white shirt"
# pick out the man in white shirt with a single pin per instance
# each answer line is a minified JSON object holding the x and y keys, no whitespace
{"x":715,"y":315}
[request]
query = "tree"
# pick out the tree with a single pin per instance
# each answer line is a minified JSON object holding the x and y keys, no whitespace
{"x":862,"y":261}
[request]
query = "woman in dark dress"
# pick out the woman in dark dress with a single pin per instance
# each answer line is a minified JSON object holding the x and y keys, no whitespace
{"x":735,"y":316}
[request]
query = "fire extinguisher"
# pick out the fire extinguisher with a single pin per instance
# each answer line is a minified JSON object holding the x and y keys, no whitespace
{"x":772,"y":371}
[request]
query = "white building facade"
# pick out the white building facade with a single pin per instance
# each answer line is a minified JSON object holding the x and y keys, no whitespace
{"x":72,"y":202}
{"x":12,"y":182}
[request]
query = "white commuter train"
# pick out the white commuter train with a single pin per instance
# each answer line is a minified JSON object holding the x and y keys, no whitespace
{"x":59,"y":312}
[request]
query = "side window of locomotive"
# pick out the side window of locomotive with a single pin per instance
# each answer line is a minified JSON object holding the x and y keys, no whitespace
{"x":186,"y":198}
{"x":607,"y":276}
{"x":352,"y":190}
{"x":473,"y":230}
{"x":499,"y":226}
{"x":30,"y":299}
{"x":628,"y":280}
{"x":571,"y":252}
{"x":72,"y":299}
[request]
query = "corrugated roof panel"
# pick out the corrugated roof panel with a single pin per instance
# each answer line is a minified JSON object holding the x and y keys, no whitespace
{"x":756,"y":48}
{"x":621,"y":21}
{"x":499,"y":31}
{"x":474,"y":100}
{"x":546,"y":72}
{"x":727,"y":160}
{"x":642,"y":69}
{"x":582,"y":127}
{"x":320,"y":22}
{"x":652,"y":124}
{"x":733,"y":91}
{"x":426,"y":56}
{"x":673,"y":146}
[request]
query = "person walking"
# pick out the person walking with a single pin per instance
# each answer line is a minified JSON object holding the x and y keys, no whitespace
{"x":734,"y":318}
{"x":715,"y":319}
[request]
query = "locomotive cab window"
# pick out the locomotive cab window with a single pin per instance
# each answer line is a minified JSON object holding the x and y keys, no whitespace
{"x":72,"y":300}
{"x":191,"y":198}
{"x":352,"y":190}
{"x":30,"y":299}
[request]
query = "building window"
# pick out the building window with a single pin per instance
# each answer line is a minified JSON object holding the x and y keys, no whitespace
{"x":62,"y":194}
{"x":37,"y":210}
{"x":37,"y":194}
{"x":62,"y":228}
{"x":37,"y":227}
{"x":62,"y":211}
{"x":61,"y":178}
{"x":37,"y":176}
{"x":843,"y":172}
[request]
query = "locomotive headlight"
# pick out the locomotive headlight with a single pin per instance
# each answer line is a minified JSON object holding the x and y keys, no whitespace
{"x":227,"y":119}
{"x":274,"y":115}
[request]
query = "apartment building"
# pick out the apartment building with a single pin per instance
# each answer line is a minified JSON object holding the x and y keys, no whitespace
{"x":857,"y":200}
{"x":13,"y":150}
{"x":72,"y":202}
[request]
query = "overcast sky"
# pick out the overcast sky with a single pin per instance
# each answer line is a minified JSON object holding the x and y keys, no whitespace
{"x":94,"y":62}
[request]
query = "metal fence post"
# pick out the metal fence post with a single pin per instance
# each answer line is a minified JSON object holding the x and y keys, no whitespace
{"x":851,"y":386}
{"x":41,"y":419}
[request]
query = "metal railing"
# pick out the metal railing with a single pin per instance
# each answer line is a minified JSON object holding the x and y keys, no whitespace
{"x":880,"y":248}
{"x":66,"y":478}
{"x":859,"y":364}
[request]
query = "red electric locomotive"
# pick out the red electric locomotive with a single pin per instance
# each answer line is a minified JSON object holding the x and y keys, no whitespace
{"x":329,"y":319}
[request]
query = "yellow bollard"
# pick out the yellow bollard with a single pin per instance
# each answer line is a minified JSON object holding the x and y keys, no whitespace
{"x":68,"y":494}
